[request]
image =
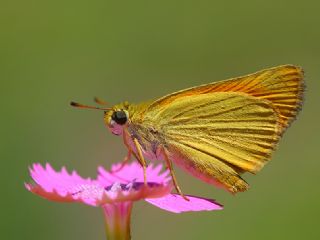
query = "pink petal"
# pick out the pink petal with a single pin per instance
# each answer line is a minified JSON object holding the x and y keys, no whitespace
{"x":62,"y":186}
{"x":175,"y":203}
{"x":130,"y":172}
{"x":48,"y":178}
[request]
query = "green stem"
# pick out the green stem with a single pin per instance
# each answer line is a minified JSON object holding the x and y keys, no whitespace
{"x":117,"y":220}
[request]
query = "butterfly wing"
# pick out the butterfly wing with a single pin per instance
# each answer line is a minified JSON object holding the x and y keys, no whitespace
{"x":217,"y":136}
{"x":283,"y":86}
{"x":217,"y":131}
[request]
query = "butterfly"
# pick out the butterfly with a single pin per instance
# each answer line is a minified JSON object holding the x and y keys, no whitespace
{"x":216,"y":131}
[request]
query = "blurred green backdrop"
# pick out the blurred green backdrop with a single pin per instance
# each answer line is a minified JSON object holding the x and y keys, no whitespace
{"x":56,"y":51}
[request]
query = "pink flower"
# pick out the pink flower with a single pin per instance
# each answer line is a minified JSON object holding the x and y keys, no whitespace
{"x":115,"y":192}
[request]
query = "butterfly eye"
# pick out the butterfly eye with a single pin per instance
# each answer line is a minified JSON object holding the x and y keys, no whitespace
{"x":119,"y":117}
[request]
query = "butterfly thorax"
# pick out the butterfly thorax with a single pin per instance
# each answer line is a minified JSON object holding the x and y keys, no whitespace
{"x":128,"y":120}
{"x":146,"y":131}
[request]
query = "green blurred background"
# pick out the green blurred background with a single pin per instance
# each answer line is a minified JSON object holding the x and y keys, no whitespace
{"x":56,"y":51}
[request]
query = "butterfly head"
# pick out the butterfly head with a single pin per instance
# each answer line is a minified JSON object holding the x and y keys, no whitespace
{"x":115,"y":118}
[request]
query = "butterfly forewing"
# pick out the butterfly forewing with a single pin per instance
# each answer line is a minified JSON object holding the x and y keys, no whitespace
{"x":283,"y":86}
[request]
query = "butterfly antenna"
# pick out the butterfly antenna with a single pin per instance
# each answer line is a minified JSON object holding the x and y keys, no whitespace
{"x":79,"y":105}
{"x":100,"y":101}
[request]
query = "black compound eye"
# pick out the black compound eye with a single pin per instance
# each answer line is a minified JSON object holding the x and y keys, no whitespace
{"x":119,"y":117}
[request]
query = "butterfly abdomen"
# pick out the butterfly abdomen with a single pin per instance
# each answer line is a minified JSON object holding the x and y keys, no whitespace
{"x":237,"y":184}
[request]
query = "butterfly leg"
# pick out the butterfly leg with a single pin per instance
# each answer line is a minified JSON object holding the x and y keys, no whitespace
{"x":125,"y":161}
{"x":129,"y":154}
{"x":173,"y":176}
{"x":141,"y":160}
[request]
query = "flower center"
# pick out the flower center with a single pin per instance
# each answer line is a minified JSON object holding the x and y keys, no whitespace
{"x":136,"y":186}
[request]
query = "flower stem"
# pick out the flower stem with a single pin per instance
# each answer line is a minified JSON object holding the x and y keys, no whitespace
{"x":117,"y":220}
